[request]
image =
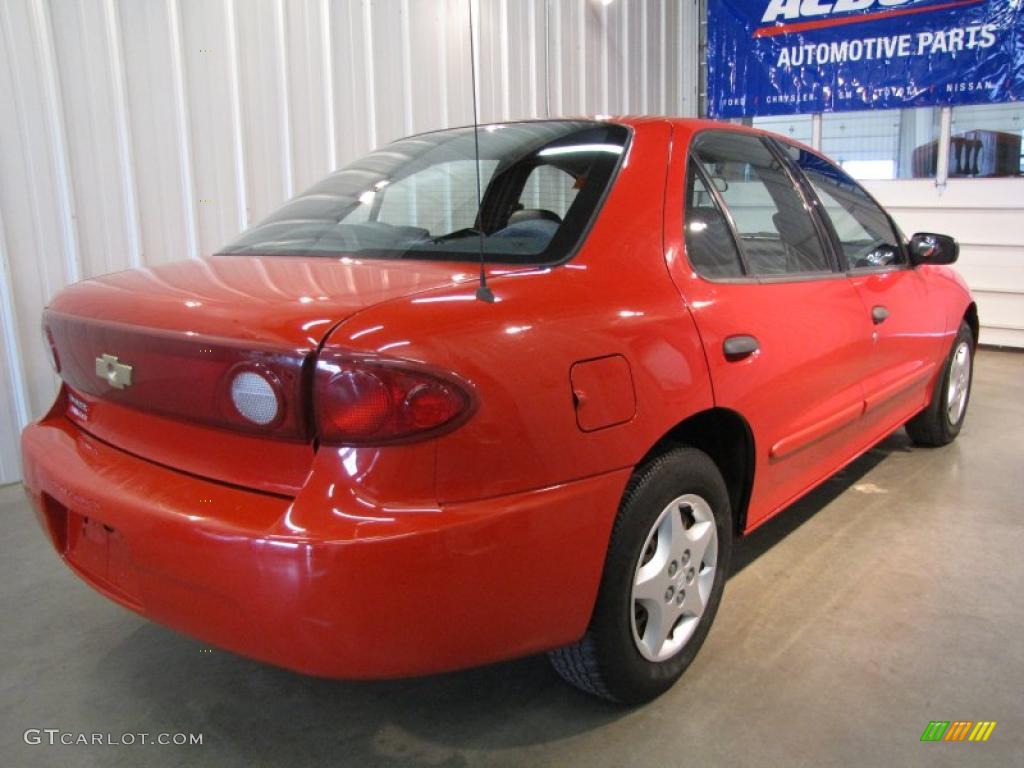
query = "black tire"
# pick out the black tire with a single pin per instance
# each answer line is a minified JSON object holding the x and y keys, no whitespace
{"x":607,"y":662}
{"x":933,"y":426}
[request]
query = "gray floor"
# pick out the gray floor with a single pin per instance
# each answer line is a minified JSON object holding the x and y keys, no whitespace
{"x":890,"y":597}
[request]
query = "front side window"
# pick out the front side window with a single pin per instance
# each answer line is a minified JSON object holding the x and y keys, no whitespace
{"x":864,"y":231}
{"x":776,"y":230}
{"x":540,"y":185}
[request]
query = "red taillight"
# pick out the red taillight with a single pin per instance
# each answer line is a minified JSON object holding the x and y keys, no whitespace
{"x":360,"y":400}
{"x":354,"y":402}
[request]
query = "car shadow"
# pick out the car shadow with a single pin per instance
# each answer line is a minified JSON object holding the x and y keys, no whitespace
{"x":264,"y":715}
{"x":253,"y":713}
{"x":748,"y":548}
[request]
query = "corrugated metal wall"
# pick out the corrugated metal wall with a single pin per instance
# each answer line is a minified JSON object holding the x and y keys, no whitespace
{"x":139,"y":131}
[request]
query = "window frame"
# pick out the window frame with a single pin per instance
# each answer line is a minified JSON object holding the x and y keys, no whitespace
{"x":837,"y":267}
{"x":826,"y":219}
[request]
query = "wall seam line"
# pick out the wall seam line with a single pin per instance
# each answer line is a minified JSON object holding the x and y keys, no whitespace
{"x":237,"y":133}
{"x":129,"y":182}
{"x":183,"y":122}
{"x":330,"y":103}
{"x":12,"y":336}
{"x":371,"y":108}
{"x":57,"y":129}
{"x":288,"y":172}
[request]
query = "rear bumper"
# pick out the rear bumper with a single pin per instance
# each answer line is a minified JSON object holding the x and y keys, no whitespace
{"x":419,"y":592}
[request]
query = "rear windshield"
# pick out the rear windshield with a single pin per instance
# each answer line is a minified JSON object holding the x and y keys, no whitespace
{"x":540,"y":185}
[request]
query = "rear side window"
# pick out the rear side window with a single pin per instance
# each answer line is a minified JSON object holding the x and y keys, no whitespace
{"x":864,"y":231}
{"x":709,"y":244}
{"x":775,"y":228}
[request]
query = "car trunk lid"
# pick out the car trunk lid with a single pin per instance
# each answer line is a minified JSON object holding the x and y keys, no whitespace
{"x":148,"y":355}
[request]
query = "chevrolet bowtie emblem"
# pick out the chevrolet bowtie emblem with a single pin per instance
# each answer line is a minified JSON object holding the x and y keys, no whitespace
{"x":117,"y":374}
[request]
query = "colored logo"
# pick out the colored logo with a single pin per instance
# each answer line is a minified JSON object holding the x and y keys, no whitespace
{"x":821,"y":14}
{"x":958,"y":730}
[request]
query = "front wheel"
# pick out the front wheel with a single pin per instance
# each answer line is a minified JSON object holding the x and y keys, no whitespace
{"x":941,"y":421}
{"x":664,"y":574}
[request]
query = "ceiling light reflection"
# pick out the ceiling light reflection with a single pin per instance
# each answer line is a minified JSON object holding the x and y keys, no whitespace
{"x":612,"y":149}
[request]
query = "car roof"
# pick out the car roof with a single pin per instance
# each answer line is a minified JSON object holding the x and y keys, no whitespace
{"x":694,"y":125}
{"x":687,"y":125}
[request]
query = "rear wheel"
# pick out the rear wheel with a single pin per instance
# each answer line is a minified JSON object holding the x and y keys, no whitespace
{"x":941,"y":421}
{"x":663,"y":580}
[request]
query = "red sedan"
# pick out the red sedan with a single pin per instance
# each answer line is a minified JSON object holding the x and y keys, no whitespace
{"x":334,"y":447}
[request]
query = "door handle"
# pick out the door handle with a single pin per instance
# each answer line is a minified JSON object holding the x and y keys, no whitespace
{"x":738,"y":347}
{"x":879,"y":314}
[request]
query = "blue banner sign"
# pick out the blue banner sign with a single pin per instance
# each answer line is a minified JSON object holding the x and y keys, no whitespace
{"x":781,"y":57}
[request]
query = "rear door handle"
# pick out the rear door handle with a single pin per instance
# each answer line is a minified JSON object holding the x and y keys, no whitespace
{"x":879,"y":314}
{"x":738,"y":347}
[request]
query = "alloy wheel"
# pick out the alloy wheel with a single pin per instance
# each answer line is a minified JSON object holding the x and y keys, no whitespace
{"x":673,"y":578}
{"x":959,"y":383}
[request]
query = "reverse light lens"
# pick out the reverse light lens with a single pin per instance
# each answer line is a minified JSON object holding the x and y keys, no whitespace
{"x":255,"y":397}
{"x":362,"y":400}
{"x":429,"y":405}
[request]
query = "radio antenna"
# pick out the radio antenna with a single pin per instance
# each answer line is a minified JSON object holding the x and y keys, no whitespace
{"x":483,"y":292}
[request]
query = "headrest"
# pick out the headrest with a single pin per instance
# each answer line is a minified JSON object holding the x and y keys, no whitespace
{"x":533,"y":214}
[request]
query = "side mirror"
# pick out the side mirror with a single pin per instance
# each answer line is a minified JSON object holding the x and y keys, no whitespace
{"x":927,"y":248}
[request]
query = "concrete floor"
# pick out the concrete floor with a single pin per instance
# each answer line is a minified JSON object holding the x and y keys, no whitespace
{"x":890,"y":597}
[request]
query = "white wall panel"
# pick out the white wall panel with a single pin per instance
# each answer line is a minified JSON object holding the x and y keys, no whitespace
{"x":391,"y":97}
{"x":352,"y":82}
{"x":94,"y":177}
{"x":165,"y":212}
{"x":206,"y":65}
{"x":14,"y":409}
{"x":41,"y":252}
{"x":260,"y":96}
{"x":307,"y":91}
{"x":135,"y":132}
